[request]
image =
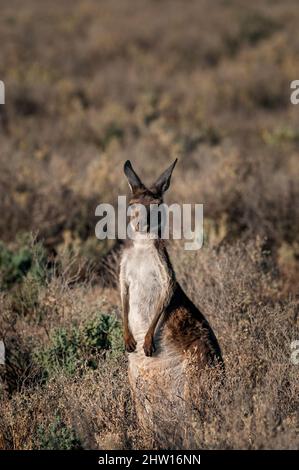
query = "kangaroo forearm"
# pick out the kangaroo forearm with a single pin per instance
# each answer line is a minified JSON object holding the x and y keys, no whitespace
{"x":130,"y":343}
{"x":125,"y":308}
{"x":162,"y":306}
{"x":148,"y":345}
{"x":159,"y":311}
{"x":125,"y":305}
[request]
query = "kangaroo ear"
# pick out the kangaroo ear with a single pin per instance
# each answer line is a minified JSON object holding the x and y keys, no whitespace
{"x":163,"y":182}
{"x":133,"y":179}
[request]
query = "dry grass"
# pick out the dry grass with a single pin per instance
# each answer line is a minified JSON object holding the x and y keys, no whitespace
{"x":88,"y":88}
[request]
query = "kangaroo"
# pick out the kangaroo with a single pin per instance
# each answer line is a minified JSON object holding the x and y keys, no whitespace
{"x":163,"y":330}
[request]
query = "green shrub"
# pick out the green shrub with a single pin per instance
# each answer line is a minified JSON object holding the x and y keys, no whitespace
{"x":75,"y":348}
{"x":57,"y":436}
{"x":16,"y":264}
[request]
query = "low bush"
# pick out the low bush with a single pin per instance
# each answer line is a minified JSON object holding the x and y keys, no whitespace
{"x":57,"y":436}
{"x":26,"y":258}
{"x":78,"y":347}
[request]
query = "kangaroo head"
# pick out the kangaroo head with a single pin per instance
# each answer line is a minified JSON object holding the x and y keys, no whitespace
{"x":146,"y":196}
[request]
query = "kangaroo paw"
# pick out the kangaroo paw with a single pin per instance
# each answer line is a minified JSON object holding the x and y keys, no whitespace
{"x":130,"y":343}
{"x":149,"y":346}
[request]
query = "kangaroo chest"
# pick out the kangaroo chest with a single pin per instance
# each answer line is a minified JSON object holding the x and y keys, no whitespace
{"x":147,"y":282}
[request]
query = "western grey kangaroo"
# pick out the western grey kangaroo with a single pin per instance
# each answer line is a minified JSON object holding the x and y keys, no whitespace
{"x":163,"y":330}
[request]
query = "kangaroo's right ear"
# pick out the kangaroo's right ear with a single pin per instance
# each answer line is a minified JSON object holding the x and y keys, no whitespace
{"x":133,"y":179}
{"x":163,"y":182}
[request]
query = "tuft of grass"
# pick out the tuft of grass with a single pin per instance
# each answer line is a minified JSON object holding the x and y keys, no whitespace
{"x":25,"y":298}
{"x":280,"y":136}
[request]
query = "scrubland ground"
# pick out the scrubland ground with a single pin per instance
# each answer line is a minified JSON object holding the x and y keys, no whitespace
{"x":90,"y":84}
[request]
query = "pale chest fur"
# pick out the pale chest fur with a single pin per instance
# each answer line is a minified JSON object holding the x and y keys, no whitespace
{"x":148,"y":279}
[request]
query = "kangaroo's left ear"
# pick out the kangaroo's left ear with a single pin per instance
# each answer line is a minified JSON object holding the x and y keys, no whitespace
{"x":134,"y":181}
{"x":163,"y":182}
